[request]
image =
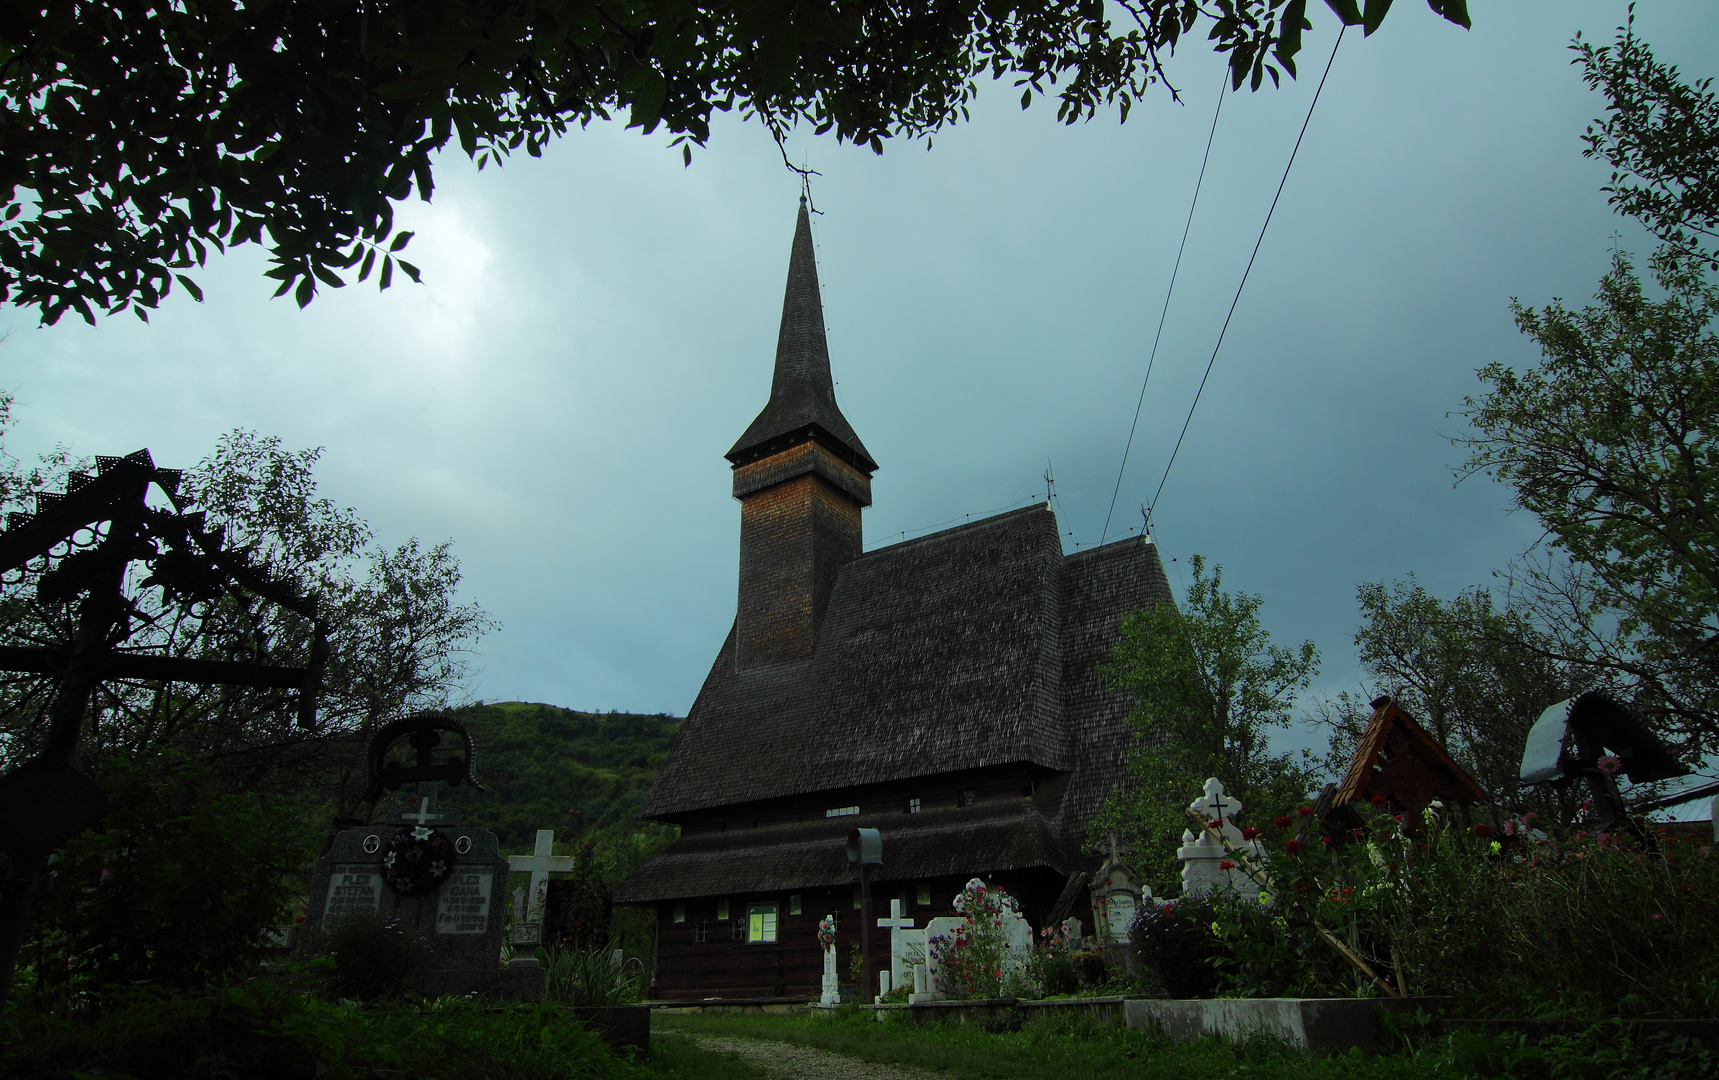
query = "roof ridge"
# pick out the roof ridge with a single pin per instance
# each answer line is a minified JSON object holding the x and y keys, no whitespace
{"x":940,"y":534}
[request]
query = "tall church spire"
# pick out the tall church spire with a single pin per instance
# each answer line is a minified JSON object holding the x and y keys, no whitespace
{"x":802,"y":477}
{"x":802,"y":395}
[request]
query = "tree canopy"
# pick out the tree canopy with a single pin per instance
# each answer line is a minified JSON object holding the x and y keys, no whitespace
{"x":1209,"y":687}
{"x":135,"y":137}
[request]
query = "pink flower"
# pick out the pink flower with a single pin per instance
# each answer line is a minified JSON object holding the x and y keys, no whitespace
{"x":1610,"y":764}
{"x":1657,"y":916}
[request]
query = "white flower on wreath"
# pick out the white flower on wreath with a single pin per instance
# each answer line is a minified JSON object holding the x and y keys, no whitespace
{"x":437,"y":867}
{"x":388,"y":860}
{"x":422,"y":832}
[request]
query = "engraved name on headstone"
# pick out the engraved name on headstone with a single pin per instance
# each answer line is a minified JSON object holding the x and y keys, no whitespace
{"x":351,"y":887}
{"x":464,"y":904}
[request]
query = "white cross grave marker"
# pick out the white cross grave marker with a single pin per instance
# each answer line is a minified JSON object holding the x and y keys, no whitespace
{"x":539,"y":864}
{"x":900,"y":937}
{"x":1202,"y":856}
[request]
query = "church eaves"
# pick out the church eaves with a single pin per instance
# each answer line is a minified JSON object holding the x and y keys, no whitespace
{"x":802,"y":394}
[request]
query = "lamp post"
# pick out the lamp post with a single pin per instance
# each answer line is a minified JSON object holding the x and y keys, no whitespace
{"x":865,"y":850}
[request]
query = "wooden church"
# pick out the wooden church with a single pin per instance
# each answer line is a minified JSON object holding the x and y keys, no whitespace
{"x":944,"y":690}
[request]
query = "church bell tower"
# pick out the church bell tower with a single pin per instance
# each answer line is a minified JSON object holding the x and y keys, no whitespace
{"x":802,"y":477}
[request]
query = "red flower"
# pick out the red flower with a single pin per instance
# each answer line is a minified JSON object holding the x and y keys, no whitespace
{"x":1377,"y":800}
{"x":1657,"y":916}
{"x":1250,"y":833}
{"x":1483,"y":830}
{"x":1226,"y":865}
{"x":1360,"y":833}
{"x":1305,"y":810}
{"x":1295,"y":847}
{"x":1281,"y":821}
{"x":1216,"y":823}
{"x":1325,"y":840}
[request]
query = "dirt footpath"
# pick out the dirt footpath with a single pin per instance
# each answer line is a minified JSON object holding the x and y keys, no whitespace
{"x":791,"y":1062}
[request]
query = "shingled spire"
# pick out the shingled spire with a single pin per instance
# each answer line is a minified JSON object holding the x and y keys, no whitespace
{"x":802,"y":395}
{"x":802,"y":477}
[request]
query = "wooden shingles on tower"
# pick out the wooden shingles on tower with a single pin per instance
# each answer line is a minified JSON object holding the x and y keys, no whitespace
{"x":945,"y":691}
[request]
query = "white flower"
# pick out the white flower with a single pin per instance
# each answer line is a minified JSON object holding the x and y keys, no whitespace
{"x":388,"y":860}
{"x":421,"y":833}
{"x":437,"y":867}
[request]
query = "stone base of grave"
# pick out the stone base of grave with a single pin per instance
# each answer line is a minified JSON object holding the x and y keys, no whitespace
{"x":732,"y":1006}
{"x":490,"y":984}
{"x":626,"y":1028}
{"x":977,"y":1011}
{"x":1336,"y":1025}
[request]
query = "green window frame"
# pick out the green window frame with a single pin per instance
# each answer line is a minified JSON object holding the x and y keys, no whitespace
{"x":761,"y":920}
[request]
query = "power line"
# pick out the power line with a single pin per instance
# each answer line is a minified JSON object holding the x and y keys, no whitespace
{"x":1243,"y":284}
{"x":1223,"y":88}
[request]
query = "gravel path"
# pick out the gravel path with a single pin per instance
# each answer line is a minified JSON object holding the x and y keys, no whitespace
{"x":790,"y":1062}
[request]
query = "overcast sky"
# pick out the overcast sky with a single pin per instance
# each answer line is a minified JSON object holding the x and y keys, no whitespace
{"x":598,"y":326}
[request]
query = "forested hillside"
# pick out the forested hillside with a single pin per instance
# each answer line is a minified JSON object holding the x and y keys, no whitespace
{"x":582,"y":774}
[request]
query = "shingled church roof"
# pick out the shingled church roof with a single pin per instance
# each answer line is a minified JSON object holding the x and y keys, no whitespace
{"x":802,"y":393}
{"x":971,"y":647}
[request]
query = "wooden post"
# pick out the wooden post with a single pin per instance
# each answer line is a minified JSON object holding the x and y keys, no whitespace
{"x":865,"y":989}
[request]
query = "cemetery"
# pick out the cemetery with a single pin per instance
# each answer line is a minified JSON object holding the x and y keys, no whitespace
{"x":986,"y":801}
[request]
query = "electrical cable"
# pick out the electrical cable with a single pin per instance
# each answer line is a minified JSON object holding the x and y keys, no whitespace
{"x":1223,"y":91}
{"x":1243,"y":284}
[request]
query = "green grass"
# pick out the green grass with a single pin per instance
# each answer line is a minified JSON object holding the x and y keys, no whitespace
{"x":1059,"y":1048}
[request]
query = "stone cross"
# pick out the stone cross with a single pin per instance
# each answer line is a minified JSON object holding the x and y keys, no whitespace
{"x":901,"y":936}
{"x":528,"y":934}
{"x":832,"y":993}
{"x":1203,"y":856}
{"x":539,"y":864}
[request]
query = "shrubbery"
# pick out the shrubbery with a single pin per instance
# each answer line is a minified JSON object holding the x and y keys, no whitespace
{"x":1582,"y":926}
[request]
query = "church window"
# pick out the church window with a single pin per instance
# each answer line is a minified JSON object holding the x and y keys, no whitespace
{"x":794,"y":904}
{"x":701,"y":932}
{"x":680,"y":913}
{"x":968,"y":796}
{"x":737,"y":930}
{"x":913,"y":805}
{"x":925,"y":894}
{"x":721,"y":909}
{"x":761,"y":924}
{"x":842,"y":811}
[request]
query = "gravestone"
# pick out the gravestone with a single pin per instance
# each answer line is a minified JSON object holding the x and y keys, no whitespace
{"x":832,"y":991}
{"x":445,"y":880}
{"x":528,"y":933}
{"x":1203,"y":857}
{"x":1116,"y":897}
{"x":1017,"y":936}
{"x":906,"y":945}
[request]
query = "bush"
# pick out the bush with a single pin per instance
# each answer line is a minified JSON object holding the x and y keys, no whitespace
{"x":588,"y":976}
{"x":1050,"y":969}
{"x":258,"y":1030}
{"x":374,"y":958}
{"x":974,"y":962}
{"x":178,"y":889}
{"x":1174,"y":940}
{"x":1584,"y":926}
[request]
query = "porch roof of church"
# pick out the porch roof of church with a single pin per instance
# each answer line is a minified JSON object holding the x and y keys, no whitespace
{"x":973,"y":647}
{"x":802,"y":392}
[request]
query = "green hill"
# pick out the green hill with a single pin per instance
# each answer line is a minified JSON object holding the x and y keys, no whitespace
{"x":582,"y":774}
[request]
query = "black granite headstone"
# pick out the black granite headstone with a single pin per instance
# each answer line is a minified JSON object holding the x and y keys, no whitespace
{"x":458,"y":908}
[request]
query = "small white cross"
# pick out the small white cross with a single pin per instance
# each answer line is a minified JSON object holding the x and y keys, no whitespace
{"x":424,"y":814}
{"x":896,"y":920}
{"x":540,"y":864}
{"x":1215,"y":804}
